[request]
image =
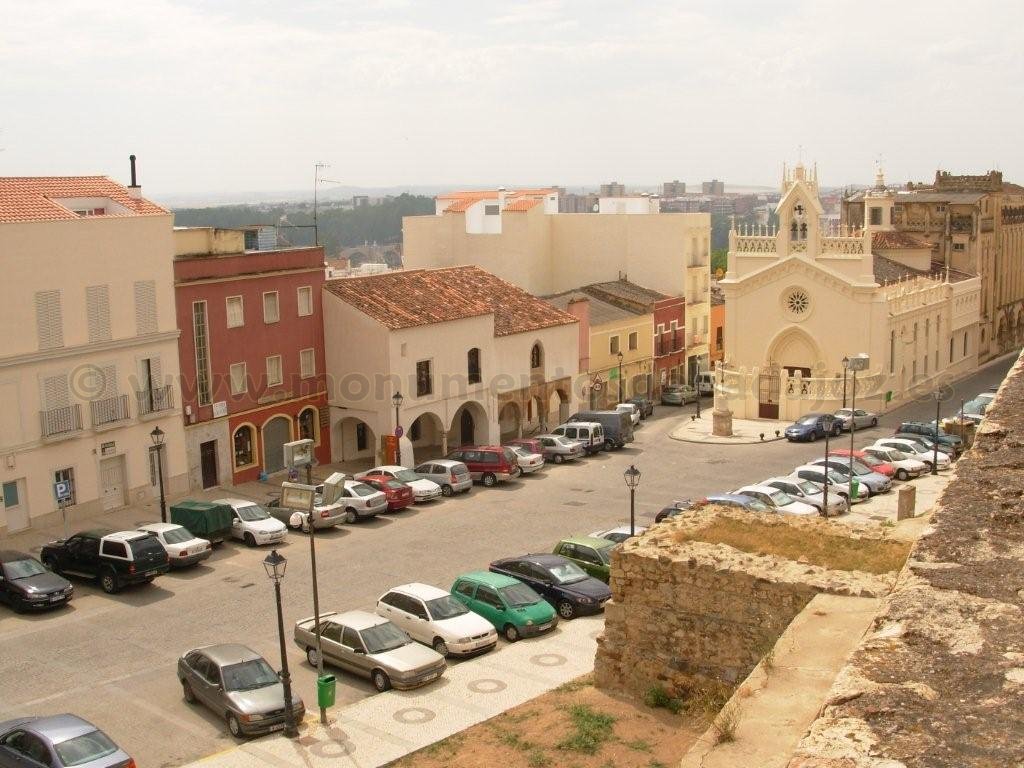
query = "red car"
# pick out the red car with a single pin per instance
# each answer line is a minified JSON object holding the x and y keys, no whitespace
{"x":399,"y":494}
{"x":488,"y":464}
{"x":876,"y":465}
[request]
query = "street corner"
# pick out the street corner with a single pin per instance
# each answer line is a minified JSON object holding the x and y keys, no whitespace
{"x":744,"y":431}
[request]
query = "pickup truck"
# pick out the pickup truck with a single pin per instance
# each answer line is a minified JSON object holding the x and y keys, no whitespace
{"x":115,"y":559}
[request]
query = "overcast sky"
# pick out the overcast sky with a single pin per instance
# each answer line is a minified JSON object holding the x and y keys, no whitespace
{"x":247,"y":94}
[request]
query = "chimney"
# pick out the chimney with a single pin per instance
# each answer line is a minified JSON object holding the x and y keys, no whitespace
{"x":134,"y":190}
{"x":501,"y":198}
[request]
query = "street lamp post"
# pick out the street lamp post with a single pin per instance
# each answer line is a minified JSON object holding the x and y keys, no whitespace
{"x":157,"y":436}
{"x":858,"y":363}
{"x":846,"y":364}
{"x":828,"y":423}
{"x":622,"y":394}
{"x":632,"y":477}
{"x":935,"y":445}
{"x":397,"y":400}
{"x":275,"y":564}
{"x":696,"y":384}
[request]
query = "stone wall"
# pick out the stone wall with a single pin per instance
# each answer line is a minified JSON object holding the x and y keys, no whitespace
{"x":697,"y":615}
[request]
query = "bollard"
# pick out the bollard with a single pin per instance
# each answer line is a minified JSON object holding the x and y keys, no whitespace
{"x":906,"y":499}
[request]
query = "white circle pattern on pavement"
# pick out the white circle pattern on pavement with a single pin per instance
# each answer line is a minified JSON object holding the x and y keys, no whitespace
{"x":415,"y":715}
{"x":486,"y":685}
{"x":548,"y":659}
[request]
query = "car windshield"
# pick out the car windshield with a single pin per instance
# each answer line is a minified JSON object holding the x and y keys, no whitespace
{"x":843,"y":412}
{"x":362,"y":489}
{"x":446,"y":607}
{"x":567,"y":573}
{"x":836,"y":477}
{"x":248,"y":675}
{"x":807,"y":487}
{"x":757,"y":505}
{"x":895,"y":455}
{"x":84,"y":748}
{"x":147,"y":546}
{"x":252,"y":512}
{"x":406,"y":475}
{"x":605,"y":553}
{"x":563,"y":440}
{"x":781,"y":498}
{"x":518,"y":595}
{"x":859,"y":469}
{"x":395,"y":485}
{"x":519,"y":450}
{"x":871,"y":461}
{"x":22,"y":569}
{"x":809,"y":422}
{"x":384,"y":637}
{"x":177,"y":536}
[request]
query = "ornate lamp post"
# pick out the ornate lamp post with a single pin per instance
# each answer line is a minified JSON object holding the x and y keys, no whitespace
{"x":622,"y":394}
{"x":696,"y":383}
{"x":858,"y":363}
{"x":846,"y":365}
{"x":828,"y":423}
{"x":935,"y":446}
{"x":632,"y":478}
{"x":397,"y":399}
{"x":157,"y":436}
{"x":275,"y":565}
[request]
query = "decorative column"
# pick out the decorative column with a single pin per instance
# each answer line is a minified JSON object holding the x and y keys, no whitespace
{"x":721,"y":416}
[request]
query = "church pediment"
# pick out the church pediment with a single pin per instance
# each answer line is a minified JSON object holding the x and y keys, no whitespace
{"x":797,"y":266}
{"x":800,"y":194}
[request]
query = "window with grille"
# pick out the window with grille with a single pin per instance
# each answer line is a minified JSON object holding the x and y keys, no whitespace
{"x":424,"y":379}
{"x":97,"y":311}
{"x":613,"y":345}
{"x":361,"y":439}
{"x":274,"y":377}
{"x":473,"y":366}
{"x":145,"y":307}
{"x":271,"y":310}
{"x":235,"y":311}
{"x":307,"y":424}
{"x":49,"y":320}
{"x":305,"y":301}
{"x":307,"y":363}
{"x":200,"y":335}
{"x":239,"y":379}
{"x":632,"y":340}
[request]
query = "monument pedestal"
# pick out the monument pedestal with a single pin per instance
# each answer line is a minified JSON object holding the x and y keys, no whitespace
{"x":721,"y":423}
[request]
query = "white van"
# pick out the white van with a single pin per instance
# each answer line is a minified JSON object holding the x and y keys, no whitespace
{"x":705,"y":383}
{"x":590,"y":434}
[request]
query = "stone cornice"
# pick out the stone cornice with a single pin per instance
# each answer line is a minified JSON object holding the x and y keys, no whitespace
{"x":80,"y":350}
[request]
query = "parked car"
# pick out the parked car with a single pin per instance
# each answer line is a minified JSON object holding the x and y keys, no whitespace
{"x":905,"y":466}
{"x":252,"y":524}
{"x":181,"y":546}
{"x":433,"y":617}
{"x":875,"y":482}
{"x":812,"y":426}
{"x":778,"y":501}
{"x":731,"y":500}
{"x":114,"y":558}
{"x":951,"y":444}
{"x":399,"y":495}
{"x":632,"y":410}
{"x":591,"y":554}
{"x":915,"y":449}
{"x":561,"y":582}
{"x":452,"y":476}
{"x":362,"y":501}
{"x":974,"y":410}
{"x":529,"y":461}
{"x":554,"y":448}
{"x":838,"y":483}
{"x":211,"y":521}
{"x":422,"y":490}
{"x":512,"y":607}
{"x":618,"y":426}
{"x":810,"y":493}
{"x":705,"y":383}
{"x":678,"y":394}
{"x":26,"y":585}
{"x":328,"y":506}
{"x":488,"y":464}
{"x":589,"y":434}
{"x":619,"y":534}
{"x":644,"y":404}
{"x":236,"y":683}
{"x":859,"y":418}
{"x":873,"y":463}
{"x":57,"y":741}
{"x":370,"y":646}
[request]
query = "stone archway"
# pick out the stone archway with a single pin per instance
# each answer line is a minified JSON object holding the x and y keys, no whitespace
{"x":428,"y":438}
{"x":469,"y":425}
{"x":276,"y":432}
{"x":563,"y":405}
{"x":793,"y":348}
{"x":354,"y":440}
{"x":510,"y":421}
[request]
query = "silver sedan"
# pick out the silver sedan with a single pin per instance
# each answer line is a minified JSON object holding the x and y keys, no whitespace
{"x":863,"y":419}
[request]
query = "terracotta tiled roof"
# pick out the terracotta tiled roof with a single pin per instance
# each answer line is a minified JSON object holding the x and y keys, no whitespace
{"x":515,"y":199}
{"x":522,"y":204}
{"x":898,"y":240}
{"x":463,"y":204}
{"x":889,"y":271}
{"x":483,"y":194}
{"x":415,"y":297}
{"x":32,"y":198}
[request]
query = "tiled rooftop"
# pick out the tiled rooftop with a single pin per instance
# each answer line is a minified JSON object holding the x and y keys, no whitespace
{"x":34,"y":198}
{"x":415,"y":297}
{"x":898,"y":240}
{"x":890,"y":271}
{"x":522,"y":204}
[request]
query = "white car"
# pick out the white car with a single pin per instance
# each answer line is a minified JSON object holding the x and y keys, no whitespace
{"x":527,"y":460}
{"x":778,"y":500}
{"x":360,"y":500}
{"x":253,"y":524}
{"x":433,"y":617}
{"x":422,"y":490}
{"x":811,"y":493}
{"x":618,"y":534}
{"x":632,"y":410}
{"x":913,"y":449}
{"x":906,"y":466}
{"x":182,"y":547}
{"x":838,"y":483}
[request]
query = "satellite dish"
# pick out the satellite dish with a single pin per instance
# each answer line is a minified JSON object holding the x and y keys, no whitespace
{"x":596,"y":208}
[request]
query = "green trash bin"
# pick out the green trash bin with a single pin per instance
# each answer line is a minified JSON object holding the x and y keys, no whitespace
{"x":325,"y":691}
{"x":856,"y":489}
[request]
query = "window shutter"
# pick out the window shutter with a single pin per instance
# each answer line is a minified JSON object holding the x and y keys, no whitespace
{"x":145,"y":307}
{"x":108,"y":382}
{"x":49,"y":320}
{"x":156,"y":373}
{"x":97,"y":302}
{"x":55,"y":391}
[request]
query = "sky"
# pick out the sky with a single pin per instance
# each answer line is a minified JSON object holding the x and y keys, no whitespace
{"x":230,"y":96}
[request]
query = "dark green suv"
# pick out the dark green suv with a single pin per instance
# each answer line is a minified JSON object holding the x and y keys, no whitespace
{"x":115,"y":559}
{"x":591,"y":554}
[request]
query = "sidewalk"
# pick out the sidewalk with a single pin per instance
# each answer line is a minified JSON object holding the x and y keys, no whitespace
{"x":384,"y":727}
{"x":744,"y":431}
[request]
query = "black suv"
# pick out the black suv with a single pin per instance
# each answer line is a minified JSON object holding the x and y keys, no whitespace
{"x":114,"y":558}
{"x":947,"y":443}
{"x":26,"y":585}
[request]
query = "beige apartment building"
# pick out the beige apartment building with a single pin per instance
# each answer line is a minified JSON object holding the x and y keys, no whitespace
{"x":803,"y":297}
{"x":976,"y":225}
{"x":88,"y":354}
{"x":520,"y":236}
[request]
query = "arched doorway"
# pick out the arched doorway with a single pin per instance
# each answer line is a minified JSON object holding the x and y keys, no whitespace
{"x":426,"y":433}
{"x":793,"y":350}
{"x":510,"y":421}
{"x":276,"y":432}
{"x":469,"y":425}
{"x":563,"y":406}
{"x":467,"y":428}
{"x":353,"y":440}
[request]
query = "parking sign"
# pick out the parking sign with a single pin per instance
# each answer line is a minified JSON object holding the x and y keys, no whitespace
{"x":62,"y":490}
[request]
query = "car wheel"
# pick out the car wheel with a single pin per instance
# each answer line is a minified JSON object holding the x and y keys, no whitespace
{"x":234,"y":726}
{"x":312,"y":657}
{"x":380,"y":680}
{"x":350,"y":516}
{"x":814,"y":437}
{"x":440,"y":646}
{"x":609,"y":445}
{"x":557,"y":458}
{"x":902,"y":474}
{"x":108,"y":582}
{"x":874,"y":422}
{"x":489,"y":480}
{"x":566,"y":610}
{"x":446,"y":490}
{"x":187,"y":693}
{"x":511,"y":633}
{"x":249,"y":539}
{"x":837,"y":431}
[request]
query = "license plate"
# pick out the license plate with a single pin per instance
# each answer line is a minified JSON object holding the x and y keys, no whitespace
{"x":542,"y":627}
{"x":277,"y":727}
{"x":56,"y":598}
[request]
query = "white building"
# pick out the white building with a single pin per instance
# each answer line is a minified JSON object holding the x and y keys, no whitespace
{"x":475,"y":358}
{"x":88,"y":350}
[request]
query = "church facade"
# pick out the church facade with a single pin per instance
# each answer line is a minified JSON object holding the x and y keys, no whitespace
{"x":804,"y":295}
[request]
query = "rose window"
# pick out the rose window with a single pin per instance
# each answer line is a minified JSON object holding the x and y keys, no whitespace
{"x":798,"y":302}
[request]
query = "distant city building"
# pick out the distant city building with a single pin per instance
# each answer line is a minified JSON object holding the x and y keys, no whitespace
{"x":571,"y":202}
{"x":630,"y":204}
{"x":612,"y":189}
{"x":360,"y":201}
{"x":713,"y":187}
{"x":673,"y":188}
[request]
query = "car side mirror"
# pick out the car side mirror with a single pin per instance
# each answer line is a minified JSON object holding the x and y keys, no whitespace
{"x":360,"y":651}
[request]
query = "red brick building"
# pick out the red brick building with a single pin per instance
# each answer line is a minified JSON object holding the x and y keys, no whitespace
{"x":669,"y":342}
{"x":252,"y":353}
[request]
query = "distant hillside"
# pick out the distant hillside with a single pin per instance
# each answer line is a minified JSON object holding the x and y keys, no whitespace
{"x":339,"y":228}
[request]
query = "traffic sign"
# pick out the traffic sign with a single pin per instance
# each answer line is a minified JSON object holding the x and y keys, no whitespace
{"x":62,"y":490}
{"x":399,"y":431}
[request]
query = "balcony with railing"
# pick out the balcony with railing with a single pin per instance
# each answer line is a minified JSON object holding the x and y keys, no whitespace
{"x":109,"y":411}
{"x":62,"y":422}
{"x":155,"y":400}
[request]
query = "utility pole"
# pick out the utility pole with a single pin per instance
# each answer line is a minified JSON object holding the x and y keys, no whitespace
{"x":316,"y":186}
